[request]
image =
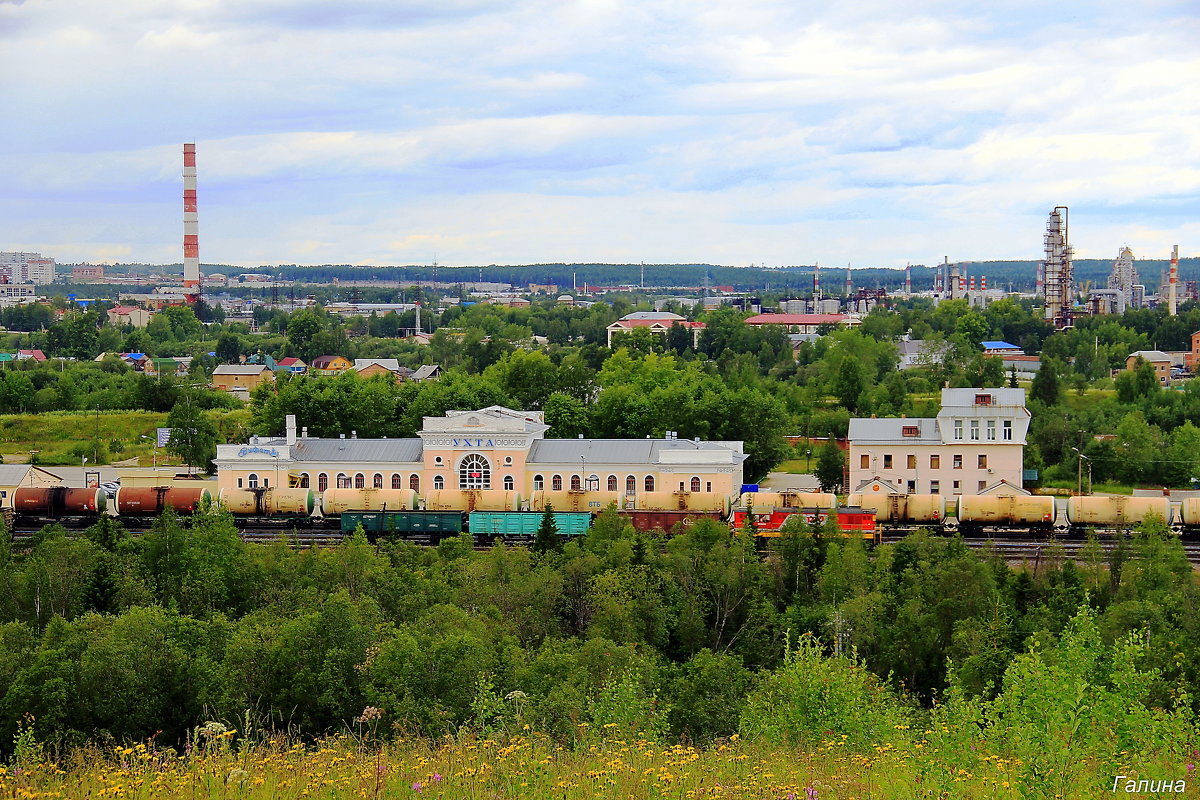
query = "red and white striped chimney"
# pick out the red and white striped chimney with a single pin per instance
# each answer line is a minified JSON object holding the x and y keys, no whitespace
{"x":971,"y":283}
{"x":191,"y":227}
{"x":983,"y":283}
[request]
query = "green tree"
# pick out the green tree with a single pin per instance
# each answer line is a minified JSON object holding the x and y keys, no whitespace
{"x":547,"y":532}
{"x":229,"y":348}
{"x":566,"y":416}
{"x":831,"y":465}
{"x":1046,"y":387}
{"x":193,"y":436}
{"x":849,"y":384}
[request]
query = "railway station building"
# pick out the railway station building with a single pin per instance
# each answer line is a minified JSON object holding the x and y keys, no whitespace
{"x":976,"y":441}
{"x":489,"y":450}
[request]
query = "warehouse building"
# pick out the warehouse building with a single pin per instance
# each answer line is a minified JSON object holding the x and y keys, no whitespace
{"x":976,"y":441}
{"x":494,"y":449}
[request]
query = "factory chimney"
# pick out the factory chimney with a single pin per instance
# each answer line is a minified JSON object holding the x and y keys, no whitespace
{"x":816,"y":283}
{"x":849,"y":283}
{"x":191,"y":227}
{"x":907,"y":280}
{"x":1173,"y":286}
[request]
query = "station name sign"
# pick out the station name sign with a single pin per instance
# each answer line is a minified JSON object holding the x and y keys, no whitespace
{"x":266,"y":451}
{"x":473,"y":442}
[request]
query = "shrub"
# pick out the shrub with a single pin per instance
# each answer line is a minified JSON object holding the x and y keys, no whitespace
{"x":813,"y":698}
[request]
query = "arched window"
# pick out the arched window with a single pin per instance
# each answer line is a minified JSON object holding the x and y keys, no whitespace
{"x":360,"y":481}
{"x":612,"y":483}
{"x":397,"y":480}
{"x":508,"y":483}
{"x":322,"y":482}
{"x":695,"y":484}
{"x":414,"y":482}
{"x":538,"y":483}
{"x":377,"y":481}
{"x":649,"y":483}
{"x":556,"y":483}
{"x":474,"y":472}
{"x":575,"y":485}
{"x":631,"y":485}
{"x":252,"y":480}
{"x":304,"y":480}
{"x":438,"y":483}
{"x":343,"y":481}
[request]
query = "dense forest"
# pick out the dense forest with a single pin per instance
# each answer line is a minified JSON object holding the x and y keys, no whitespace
{"x":1012,"y":275}
{"x":693,"y":635}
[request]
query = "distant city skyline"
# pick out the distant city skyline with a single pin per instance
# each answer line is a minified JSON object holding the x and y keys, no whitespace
{"x":480,"y":132}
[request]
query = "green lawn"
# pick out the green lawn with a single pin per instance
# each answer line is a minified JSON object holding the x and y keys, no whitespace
{"x":62,"y":437}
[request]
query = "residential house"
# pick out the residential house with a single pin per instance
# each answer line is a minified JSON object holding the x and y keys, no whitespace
{"x":241,"y":379}
{"x":159,"y":367}
{"x":429,"y":372}
{"x":1157,"y":358}
{"x":36,"y":355}
{"x":976,"y":441}
{"x":370,"y":367}
{"x":330,"y":365}
{"x":291,"y":366}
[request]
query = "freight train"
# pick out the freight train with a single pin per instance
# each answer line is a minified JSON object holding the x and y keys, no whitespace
{"x":1033,"y":514}
{"x":381,"y":512}
{"x":502,"y":515}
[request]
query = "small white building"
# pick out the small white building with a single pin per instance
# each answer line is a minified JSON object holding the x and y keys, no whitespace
{"x":976,"y":441}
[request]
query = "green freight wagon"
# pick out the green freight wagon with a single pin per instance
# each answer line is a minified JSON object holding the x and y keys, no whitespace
{"x":524,"y":524}
{"x":432,"y":525}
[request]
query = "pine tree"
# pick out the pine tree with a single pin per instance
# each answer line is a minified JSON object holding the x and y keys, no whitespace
{"x":547,"y":533}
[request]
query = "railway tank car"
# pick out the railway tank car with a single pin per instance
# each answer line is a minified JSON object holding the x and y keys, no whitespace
{"x":977,"y":513}
{"x":143,"y":501}
{"x":1118,"y":512}
{"x":339,"y":501}
{"x":1189,"y":515}
{"x":271,"y":506}
{"x":902,"y":510}
{"x":61,"y":504}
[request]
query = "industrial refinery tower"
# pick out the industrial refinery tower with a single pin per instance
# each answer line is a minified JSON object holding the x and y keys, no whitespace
{"x":1122,"y":280}
{"x":1058,"y":278}
{"x":191,"y":227}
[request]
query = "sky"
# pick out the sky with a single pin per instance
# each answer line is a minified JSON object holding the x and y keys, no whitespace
{"x":379,"y":132}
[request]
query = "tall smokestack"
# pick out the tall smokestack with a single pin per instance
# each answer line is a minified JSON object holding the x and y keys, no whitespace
{"x":983,"y":283}
{"x":817,"y":282}
{"x":907,"y":279}
{"x":191,"y":227}
{"x":953,"y":289}
{"x":1173,"y":287}
{"x":849,"y":282}
{"x":971,"y":283}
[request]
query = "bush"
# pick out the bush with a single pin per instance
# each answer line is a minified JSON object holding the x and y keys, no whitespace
{"x":812,"y":699}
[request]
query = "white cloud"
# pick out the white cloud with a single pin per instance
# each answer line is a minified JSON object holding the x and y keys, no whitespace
{"x":597,"y":129}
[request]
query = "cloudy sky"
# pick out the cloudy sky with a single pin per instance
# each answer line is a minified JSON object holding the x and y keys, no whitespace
{"x":481,"y":131}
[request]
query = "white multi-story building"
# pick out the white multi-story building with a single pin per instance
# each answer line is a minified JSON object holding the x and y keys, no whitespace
{"x":976,"y":441}
{"x":26,"y":268}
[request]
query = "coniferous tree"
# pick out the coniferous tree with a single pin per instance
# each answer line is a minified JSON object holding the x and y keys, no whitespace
{"x":547,"y":532}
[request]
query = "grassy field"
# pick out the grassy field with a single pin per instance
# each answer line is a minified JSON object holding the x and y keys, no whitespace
{"x":468,"y":768}
{"x":62,"y":437}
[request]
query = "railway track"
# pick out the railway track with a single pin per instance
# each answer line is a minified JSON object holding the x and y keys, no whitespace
{"x":1014,"y":549}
